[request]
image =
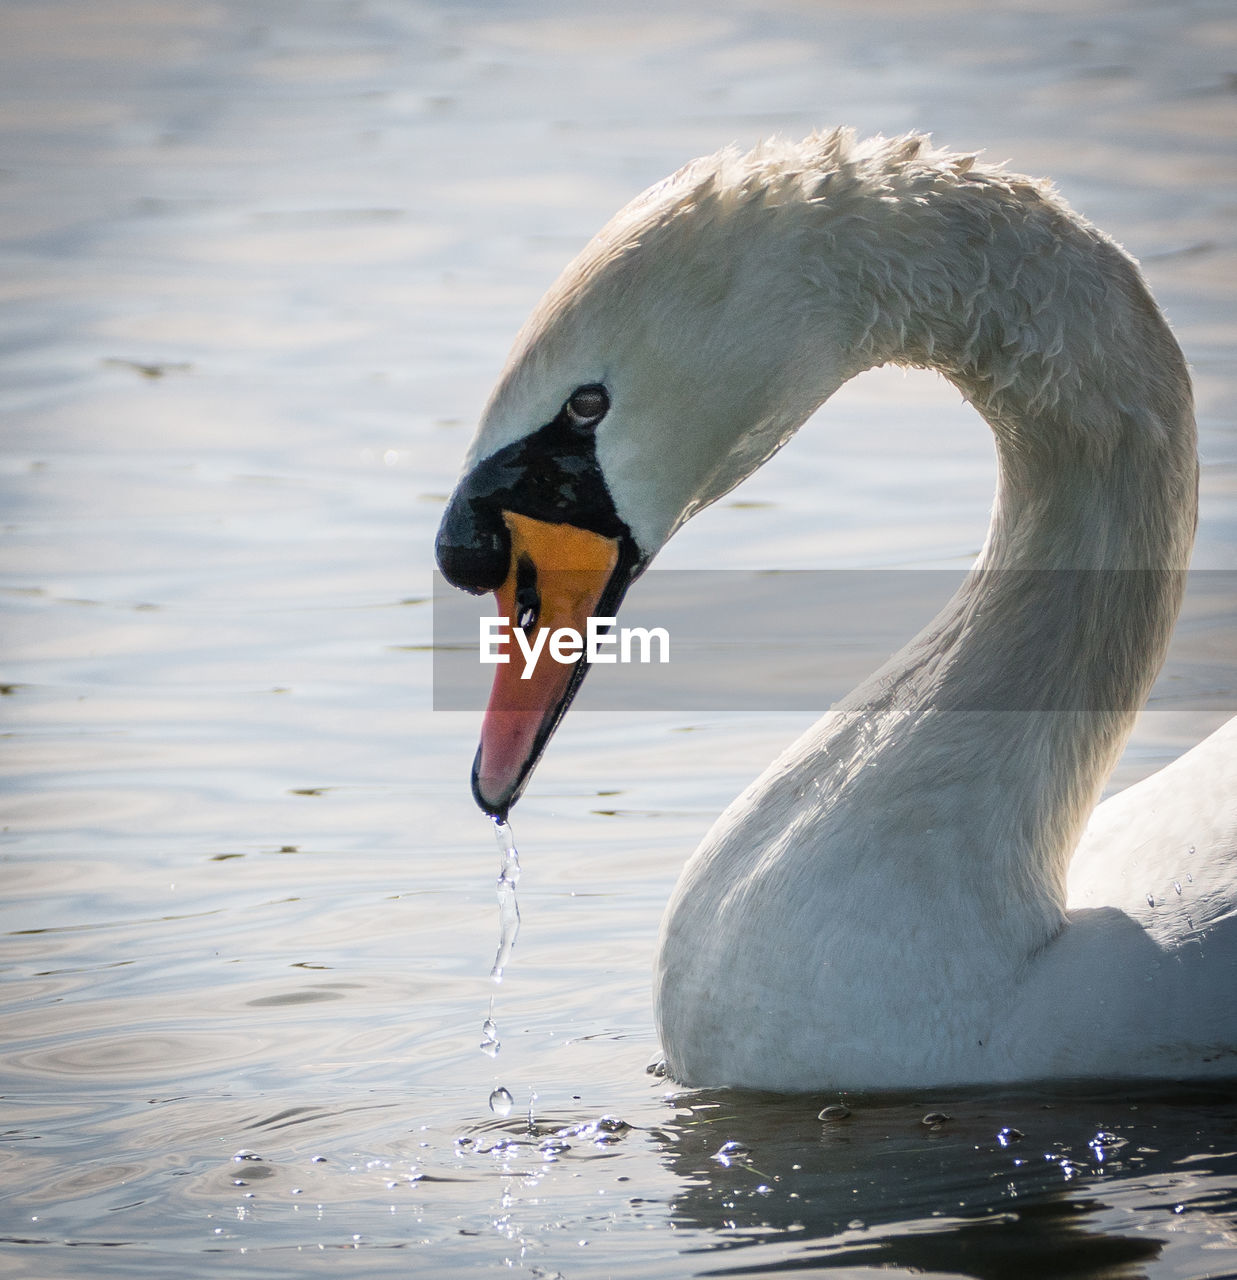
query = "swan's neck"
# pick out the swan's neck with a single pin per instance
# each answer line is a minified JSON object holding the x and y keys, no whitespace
{"x":1021,"y":694}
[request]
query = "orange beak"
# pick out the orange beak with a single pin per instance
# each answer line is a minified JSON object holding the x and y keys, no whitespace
{"x":556,"y":579}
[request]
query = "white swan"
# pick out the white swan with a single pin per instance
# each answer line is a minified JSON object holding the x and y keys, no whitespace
{"x":887,"y":905}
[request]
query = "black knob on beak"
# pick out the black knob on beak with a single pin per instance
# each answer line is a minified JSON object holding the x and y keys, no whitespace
{"x":474,"y":544}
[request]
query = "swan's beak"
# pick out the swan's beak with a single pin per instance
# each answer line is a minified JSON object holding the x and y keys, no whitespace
{"x":557,"y":577}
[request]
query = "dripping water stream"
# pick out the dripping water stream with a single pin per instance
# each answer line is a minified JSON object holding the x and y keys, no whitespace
{"x":501,"y":1101}
{"x":508,"y":905}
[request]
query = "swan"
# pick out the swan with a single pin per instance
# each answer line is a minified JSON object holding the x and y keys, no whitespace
{"x":911,"y":894}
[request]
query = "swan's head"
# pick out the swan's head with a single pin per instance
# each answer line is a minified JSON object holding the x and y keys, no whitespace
{"x":672,"y":357}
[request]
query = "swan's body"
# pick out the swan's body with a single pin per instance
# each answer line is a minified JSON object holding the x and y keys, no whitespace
{"x":886,"y":906}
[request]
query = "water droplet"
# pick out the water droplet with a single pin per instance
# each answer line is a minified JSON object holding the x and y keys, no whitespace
{"x":490,"y":1043}
{"x":837,"y":1111}
{"x":1190,"y":849}
{"x":501,"y":1102}
{"x":1150,"y":900}
{"x":1177,"y":887}
{"x":245,"y":1154}
{"x":1009,"y":1135}
{"x":532,"y":1100}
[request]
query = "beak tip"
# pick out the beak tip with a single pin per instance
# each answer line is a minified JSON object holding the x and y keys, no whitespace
{"x":499,"y":808}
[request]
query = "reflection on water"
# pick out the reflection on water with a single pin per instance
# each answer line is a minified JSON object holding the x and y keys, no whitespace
{"x":995,"y":1186}
{"x":265,"y":261}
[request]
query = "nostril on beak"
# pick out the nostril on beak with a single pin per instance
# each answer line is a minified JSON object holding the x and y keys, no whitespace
{"x":527,"y":595}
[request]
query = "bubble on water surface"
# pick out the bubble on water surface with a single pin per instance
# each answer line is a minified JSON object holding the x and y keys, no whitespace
{"x":731,"y":1153}
{"x":1105,"y":1144}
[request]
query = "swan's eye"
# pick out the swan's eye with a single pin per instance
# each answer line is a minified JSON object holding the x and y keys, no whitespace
{"x":586,"y":406}
{"x":527,"y":597}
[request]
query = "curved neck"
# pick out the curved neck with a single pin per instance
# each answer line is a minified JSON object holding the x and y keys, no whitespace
{"x":1025,"y":688}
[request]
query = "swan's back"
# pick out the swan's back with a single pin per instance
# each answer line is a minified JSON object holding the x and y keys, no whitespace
{"x":1143,"y":980}
{"x":1164,"y":851}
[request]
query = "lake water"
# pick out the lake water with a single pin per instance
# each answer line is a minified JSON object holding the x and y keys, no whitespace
{"x":261,"y":263}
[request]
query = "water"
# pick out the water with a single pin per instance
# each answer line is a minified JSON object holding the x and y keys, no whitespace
{"x":501,"y":1102}
{"x":508,"y":903}
{"x":490,"y":1043}
{"x":264,"y":261}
